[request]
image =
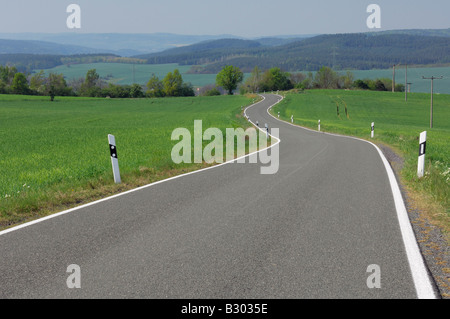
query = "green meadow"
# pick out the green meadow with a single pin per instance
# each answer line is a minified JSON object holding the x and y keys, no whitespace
{"x":397,"y":124}
{"x":415,"y":74}
{"x":126,"y":74}
{"x":56,"y":155}
{"x":119,"y":73}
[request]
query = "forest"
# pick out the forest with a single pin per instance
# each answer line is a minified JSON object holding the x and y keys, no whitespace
{"x":341,"y":51}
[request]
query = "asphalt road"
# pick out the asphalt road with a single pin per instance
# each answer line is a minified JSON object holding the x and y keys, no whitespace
{"x":309,"y":231}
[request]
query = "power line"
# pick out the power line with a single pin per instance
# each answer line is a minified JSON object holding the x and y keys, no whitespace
{"x":406,"y":83}
{"x":334,"y":56}
{"x":432,"y":81}
{"x":393,"y":79}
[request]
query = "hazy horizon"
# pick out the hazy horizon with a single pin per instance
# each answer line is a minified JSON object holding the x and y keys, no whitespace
{"x":247,"y":19}
{"x":211,"y":35}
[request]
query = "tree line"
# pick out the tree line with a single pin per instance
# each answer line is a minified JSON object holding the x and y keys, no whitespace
{"x":231,"y":78}
{"x":14,"y":82}
{"x":275,"y":79}
{"x":228,"y":80}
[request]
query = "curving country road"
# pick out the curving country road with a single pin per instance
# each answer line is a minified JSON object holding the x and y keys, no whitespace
{"x":309,"y":231}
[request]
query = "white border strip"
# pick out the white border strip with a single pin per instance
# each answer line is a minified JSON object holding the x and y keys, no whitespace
{"x":422,"y":283}
{"x":40,"y":220}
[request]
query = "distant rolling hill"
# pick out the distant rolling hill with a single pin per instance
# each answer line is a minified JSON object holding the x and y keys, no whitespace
{"x":277,"y":41}
{"x":207,"y":46}
{"x":342,"y":51}
{"x":421,"y":32}
{"x":203,"y":52}
{"x":123,"y":44}
{"x":208,"y":54}
{"x":42,"y":47}
{"x":224,"y":44}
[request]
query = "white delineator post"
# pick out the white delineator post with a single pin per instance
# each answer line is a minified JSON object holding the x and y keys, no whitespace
{"x":292,"y":119}
{"x":319,"y":125}
{"x":373,"y":130}
{"x":267,"y":131}
{"x":278,"y":114}
{"x":114,"y":158}
{"x":422,"y":151}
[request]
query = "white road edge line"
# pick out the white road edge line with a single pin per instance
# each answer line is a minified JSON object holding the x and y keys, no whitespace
{"x":40,"y":220}
{"x":422,"y":283}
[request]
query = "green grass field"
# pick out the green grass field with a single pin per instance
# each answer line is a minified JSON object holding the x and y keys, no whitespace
{"x":397,"y":123}
{"x":55,"y":154}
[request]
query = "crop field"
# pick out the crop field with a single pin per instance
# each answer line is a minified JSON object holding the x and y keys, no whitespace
{"x":55,"y":155}
{"x":123,"y":74}
{"x":397,"y":124}
{"x":119,"y":73}
{"x":419,"y":85}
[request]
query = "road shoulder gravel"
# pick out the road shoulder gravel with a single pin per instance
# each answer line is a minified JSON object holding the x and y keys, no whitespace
{"x":433,"y":245}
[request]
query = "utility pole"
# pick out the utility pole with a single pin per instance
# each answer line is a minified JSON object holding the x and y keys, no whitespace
{"x":334,"y":57}
{"x":406,"y":83}
{"x":432,"y":89}
{"x":393,"y":79}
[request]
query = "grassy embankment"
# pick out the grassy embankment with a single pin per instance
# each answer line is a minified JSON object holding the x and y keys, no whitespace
{"x":398,"y":125}
{"x":56,"y":155}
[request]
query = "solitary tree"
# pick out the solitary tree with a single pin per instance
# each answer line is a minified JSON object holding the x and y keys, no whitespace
{"x":326,"y":78}
{"x":37,"y":82}
{"x":57,"y":85}
{"x":91,"y":78}
{"x":346,"y":81}
{"x":155,"y":87}
{"x":89,"y":87}
{"x":20,"y":84}
{"x":173,"y":83}
{"x":229,"y":78}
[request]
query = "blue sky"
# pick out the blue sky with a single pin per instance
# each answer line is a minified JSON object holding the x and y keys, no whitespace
{"x":248,"y":18}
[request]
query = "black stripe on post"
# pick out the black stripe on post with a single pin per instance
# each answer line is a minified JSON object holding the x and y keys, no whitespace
{"x":113,"y":150}
{"x":423,"y":149}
